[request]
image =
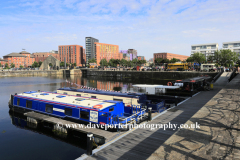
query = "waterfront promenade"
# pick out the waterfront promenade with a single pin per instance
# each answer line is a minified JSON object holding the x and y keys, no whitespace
{"x":219,"y":135}
{"x":143,"y":143}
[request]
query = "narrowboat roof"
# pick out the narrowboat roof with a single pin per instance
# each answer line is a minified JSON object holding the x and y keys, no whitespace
{"x":195,"y":79}
{"x":133,"y":95}
{"x":76,"y":101}
{"x":155,"y":86}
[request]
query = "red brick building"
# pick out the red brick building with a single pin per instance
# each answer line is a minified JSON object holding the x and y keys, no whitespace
{"x":106,"y":51}
{"x":23,"y":58}
{"x":41,"y":56}
{"x":169,"y":56}
{"x":73,"y":54}
{"x":2,"y":62}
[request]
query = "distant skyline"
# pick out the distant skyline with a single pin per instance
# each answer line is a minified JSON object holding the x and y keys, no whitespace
{"x":149,"y":26}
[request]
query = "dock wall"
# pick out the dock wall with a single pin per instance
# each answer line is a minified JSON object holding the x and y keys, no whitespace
{"x":147,"y":74}
{"x":39,"y":73}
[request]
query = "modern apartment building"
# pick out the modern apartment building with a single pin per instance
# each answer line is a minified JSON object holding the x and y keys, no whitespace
{"x":106,"y":51}
{"x":41,"y":56}
{"x":206,"y":49}
{"x":72,"y":54}
{"x":129,"y":54}
{"x":233,"y":46}
{"x":90,"y":47}
{"x":169,"y":56}
{"x":23,"y":58}
{"x":133,"y":54}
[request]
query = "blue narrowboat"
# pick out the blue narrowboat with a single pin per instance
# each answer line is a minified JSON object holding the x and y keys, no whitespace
{"x":85,"y":109}
{"x":129,"y":99}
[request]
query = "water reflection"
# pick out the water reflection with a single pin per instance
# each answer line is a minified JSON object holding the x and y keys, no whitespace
{"x":112,"y":84}
{"x":74,"y":138}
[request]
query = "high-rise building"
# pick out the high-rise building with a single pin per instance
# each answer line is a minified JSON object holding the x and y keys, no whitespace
{"x":206,"y":49}
{"x":90,"y":47}
{"x":72,"y":54}
{"x":106,"y":51}
{"x":233,"y":46}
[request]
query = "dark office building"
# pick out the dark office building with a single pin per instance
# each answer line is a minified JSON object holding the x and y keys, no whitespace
{"x":90,"y":48}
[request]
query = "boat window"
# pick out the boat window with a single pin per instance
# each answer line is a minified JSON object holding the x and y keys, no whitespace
{"x":79,"y":99}
{"x":84,"y":115}
{"x":64,"y":92}
{"x":68,"y":111}
{"x":49,"y":108}
{"x":18,"y":101}
{"x":93,"y":96}
{"x":79,"y":95}
{"x":117,"y":99}
{"x":111,"y":109}
{"x":29,"y":104}
{"x":60,"y":96}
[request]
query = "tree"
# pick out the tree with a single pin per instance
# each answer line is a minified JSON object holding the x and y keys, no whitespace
{"x":35,"y":64}
{"x":134,"y":62}
{"x":123,"y":62}
{"x":174,"y":60}
{"x":6,"y":66}
{"x":74,"y":64}
{"x":21,"y":66}
{"x":103,"y":62}
{"x":61,"y":64}
{"x":50,"y":64}
{"x":225,"y":57}
{"x":158,"y":61}
{"x":12,"y":65}
{"x":112,"y":63}
{"x":93,"y":60}
{"x":190,"y":60}
{"x":198,"y":57}
{"x":140,"y":62}
{"x":165,"y":60}
{"x":39,"y":64}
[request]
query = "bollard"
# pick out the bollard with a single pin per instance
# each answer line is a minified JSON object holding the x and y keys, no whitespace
{"x":176,"y":101}
{"x":89,"y":143}
{"x":150,"y":113}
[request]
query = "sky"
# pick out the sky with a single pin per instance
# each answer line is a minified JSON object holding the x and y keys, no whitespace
{"x":149,"y":26}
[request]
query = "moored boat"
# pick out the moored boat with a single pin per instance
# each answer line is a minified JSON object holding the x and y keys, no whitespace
{"x":105,"y":112}
{"x":129,"y":99}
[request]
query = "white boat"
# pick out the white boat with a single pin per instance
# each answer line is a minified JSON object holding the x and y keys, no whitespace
{"x":152,"y":89}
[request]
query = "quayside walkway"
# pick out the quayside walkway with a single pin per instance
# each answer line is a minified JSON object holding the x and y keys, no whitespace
{"x":144,"y":143}
{"x":219,"y":135}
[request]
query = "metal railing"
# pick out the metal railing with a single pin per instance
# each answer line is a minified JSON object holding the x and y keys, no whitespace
{"x":217,"y":76}
{"x":233,"y":74}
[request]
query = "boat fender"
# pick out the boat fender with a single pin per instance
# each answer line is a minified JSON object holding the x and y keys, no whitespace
{"x":169,"y":83}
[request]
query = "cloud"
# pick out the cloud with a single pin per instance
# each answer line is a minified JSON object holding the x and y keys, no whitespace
{"x":149,"y":26}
